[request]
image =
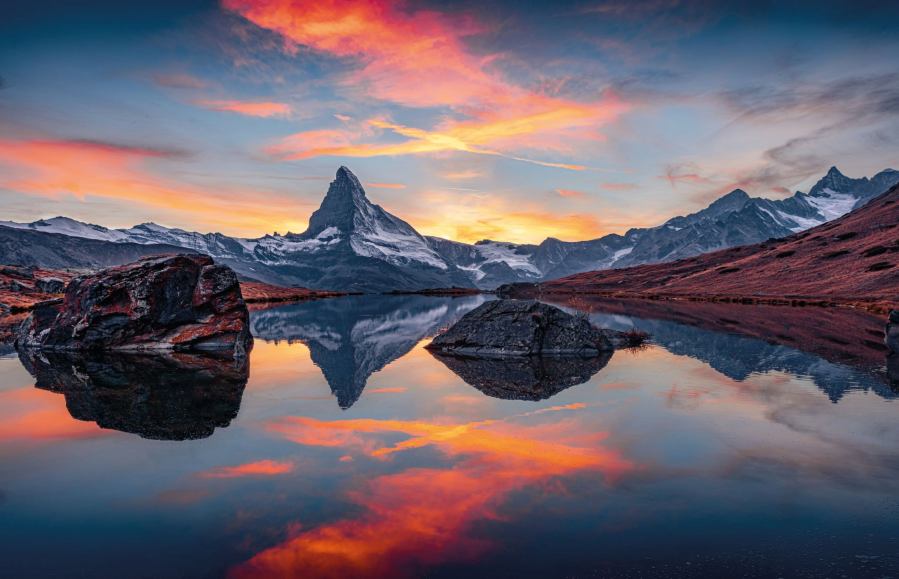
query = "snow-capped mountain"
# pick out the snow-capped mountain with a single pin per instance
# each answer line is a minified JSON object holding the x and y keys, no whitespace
{"x":735,"y":219}
{"x":350,"y":245}
{"x":354,"y":245}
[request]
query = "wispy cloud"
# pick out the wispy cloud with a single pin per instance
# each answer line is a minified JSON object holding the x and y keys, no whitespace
{"x":421,"y":59}
{"x":385,"y":185}
{"x":81,"y":169}
{"x":179,"y":80}
{"x":571,"y":193}
{"x":255,"y":109}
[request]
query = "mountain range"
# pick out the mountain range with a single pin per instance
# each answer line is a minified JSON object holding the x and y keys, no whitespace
{"x":356,"y":246}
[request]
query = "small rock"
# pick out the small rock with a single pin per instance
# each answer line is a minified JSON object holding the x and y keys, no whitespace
{"x":50,"y":285}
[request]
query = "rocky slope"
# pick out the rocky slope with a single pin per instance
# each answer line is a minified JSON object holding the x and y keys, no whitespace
{"x":353,"y":245}
{"x":851,"y":259}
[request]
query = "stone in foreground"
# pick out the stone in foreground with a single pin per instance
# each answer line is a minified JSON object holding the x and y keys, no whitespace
{"x":510,"y":328}
{"x":168,"y":302}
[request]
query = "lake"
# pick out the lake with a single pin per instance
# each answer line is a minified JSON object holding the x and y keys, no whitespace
{"x":746,"y":441}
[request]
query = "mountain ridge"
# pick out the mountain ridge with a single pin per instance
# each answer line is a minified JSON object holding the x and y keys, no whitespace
{"x":352,"y":244}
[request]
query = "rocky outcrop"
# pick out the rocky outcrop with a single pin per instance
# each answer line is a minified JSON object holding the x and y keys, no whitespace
{"x":168,"y":302}
{"x":531,"y":378}
{"x":50,"y":285}
{"x":512,"y":328}
{"x":892,"y":333}
{"x":172,"y":396}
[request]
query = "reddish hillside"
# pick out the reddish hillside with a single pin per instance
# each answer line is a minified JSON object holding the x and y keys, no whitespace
{"x":254,"y":292}
{"x":852,"y":259}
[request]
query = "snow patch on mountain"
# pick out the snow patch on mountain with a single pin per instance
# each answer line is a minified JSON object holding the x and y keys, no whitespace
{"x":832,"y":204}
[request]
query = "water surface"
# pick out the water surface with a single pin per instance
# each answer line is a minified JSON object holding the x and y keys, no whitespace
{"x":735,"y":448}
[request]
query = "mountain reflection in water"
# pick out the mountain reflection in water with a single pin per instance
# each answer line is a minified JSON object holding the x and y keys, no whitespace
{"x":746,"y":442}
{"x":173,"y":396}
{"x":351,"y":338}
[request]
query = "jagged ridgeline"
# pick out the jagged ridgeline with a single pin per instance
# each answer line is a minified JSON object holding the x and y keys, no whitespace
{"x":352,"y":244}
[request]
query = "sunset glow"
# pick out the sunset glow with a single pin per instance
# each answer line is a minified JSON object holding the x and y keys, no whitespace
{"x":566,"y":120}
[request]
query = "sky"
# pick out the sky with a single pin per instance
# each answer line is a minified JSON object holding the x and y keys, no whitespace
{"x":512,"y":121}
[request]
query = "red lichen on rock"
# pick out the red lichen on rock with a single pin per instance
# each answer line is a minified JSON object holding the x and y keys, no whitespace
{"x":157,"y":303}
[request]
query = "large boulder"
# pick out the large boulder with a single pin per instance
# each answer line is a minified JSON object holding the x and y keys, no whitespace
{"x":50,"y":285}
{"x":892,"y":333}
{"x":504,"y":328}
{"x":167,"y":302}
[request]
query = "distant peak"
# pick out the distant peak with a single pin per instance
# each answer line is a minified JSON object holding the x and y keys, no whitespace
{"x":834,"y":171}
{"x":737,"y":194}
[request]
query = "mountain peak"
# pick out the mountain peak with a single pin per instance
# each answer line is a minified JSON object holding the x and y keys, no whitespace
{"x":342,"y":205}
{"x":836,"y":182}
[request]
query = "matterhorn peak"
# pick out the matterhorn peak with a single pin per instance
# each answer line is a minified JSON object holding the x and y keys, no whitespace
{"x":342,"y":205}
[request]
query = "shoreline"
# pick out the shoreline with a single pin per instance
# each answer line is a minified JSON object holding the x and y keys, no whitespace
{"x":876,"y":306}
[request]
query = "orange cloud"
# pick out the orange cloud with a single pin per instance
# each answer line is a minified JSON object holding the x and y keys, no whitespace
{"x":342,"y":117}
{"x":263,"y":109}
{"x":385,"y":185}
{"x":460,"y":175}
{"x":570,"y":193}
{"x":419,"y":58}
{"x":471,"y":136}
{"x":618,"y":186}
{"x":402,"y":524}
{"x":385,"y":390}
{"x":82,"y":168}
{"x":29,"y":414}
{"x":263,"y":467}
{"x":685,"y":178}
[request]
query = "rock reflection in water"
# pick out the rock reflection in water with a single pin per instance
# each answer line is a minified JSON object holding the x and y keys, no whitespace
{"x":161,"y":397}
{"x":524,"y":378}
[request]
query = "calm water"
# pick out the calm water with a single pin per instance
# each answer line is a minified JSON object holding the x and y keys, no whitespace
{"x":344,"y":449}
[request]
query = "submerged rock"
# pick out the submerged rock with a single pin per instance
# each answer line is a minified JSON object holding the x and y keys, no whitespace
{"x":169,"y":302}
{"x":524,"y":378}
{"x":510,"y":328}
{"x":171,"y":396}
{"x":892,"y":333}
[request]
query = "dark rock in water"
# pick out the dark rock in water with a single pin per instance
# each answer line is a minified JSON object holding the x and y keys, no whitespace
{"x":504,"y":328}
{"x":524,"y":378}
{"x":173,"y":396}
{"x":50,"y":285}
{"x":170,"y":302}
{"x":892,"y":332}
{"x":516,"y":289}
